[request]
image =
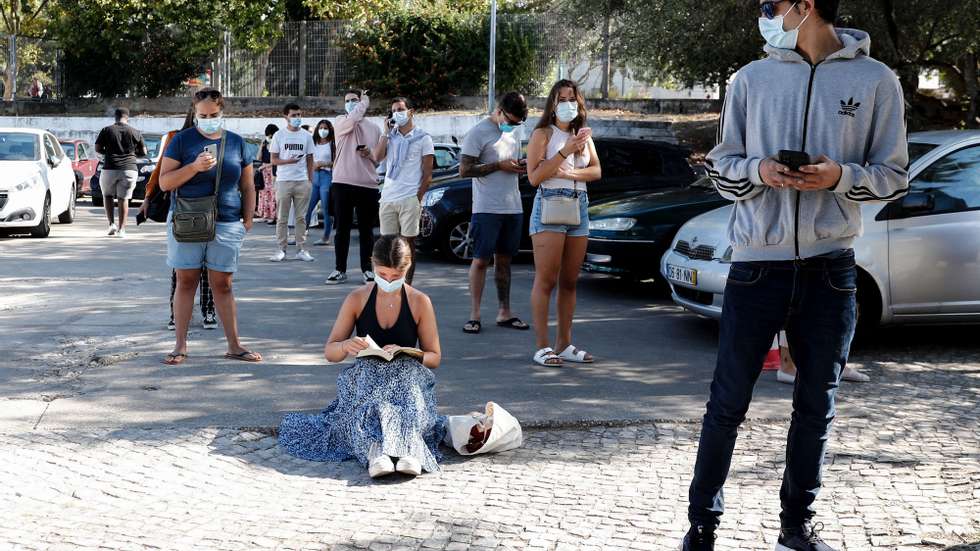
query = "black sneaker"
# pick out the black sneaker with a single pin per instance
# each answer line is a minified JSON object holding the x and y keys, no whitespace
{"x":803,"y":538}
{"x":699,"y":538}
{"x":210,"y":322}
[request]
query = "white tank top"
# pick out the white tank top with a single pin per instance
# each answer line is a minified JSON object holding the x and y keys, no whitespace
{"x":575,"y":160}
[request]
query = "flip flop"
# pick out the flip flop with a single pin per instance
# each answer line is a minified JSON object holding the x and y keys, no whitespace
{"x":546,"y":355}
{"x":572,"y":354}
{"x":246,"y":356}
{"x":473,"y":323}
{"x":175,"y":358}
{"x":514,"y":323}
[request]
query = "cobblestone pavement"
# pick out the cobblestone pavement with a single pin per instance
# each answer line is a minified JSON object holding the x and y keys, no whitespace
{"x":903,"y":473}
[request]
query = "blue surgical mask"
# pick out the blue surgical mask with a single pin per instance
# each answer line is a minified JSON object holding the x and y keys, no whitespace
{"x":567,"y":111}
{"x":323,"y":132}
{"x":401,"y":117}
{"x":388,"y":286}
{"x":507,"y":128}
{"x":350,"y":106}
{"x":772,"y":31}
{"x":296,"y":122}
{"x":210,"y":126}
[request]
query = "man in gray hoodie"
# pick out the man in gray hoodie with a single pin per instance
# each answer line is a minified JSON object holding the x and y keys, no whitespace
{"x":818,"y":92}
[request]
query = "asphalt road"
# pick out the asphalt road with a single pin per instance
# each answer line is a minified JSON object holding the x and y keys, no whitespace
{"x":82,"y":330}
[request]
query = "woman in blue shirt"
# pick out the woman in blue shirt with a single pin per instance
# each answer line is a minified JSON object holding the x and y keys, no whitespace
{"x":190,"y":170}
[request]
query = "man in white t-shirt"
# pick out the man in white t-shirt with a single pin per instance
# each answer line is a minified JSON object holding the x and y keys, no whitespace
{"x":292,"y":152}
{"x":410,"y":154}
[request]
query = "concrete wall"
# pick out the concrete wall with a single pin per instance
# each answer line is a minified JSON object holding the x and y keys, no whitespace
{"x":442,"y":127}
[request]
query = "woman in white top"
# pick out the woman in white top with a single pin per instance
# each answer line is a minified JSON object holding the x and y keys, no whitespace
{"x":561,"y":160}
{"x":324,"y":147}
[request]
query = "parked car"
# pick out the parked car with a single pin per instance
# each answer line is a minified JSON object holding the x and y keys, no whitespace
{"x":444,"y":168}
{"x":917,"y":259}
{"x":626,"y":232}
{"x":38,"y":181}
{"x":144,"y":166}
{"x":628,"y":166}
{"x":83,"y":162}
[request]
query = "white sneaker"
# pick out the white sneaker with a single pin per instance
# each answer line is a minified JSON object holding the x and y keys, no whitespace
{"x":855,"y":376}
{"x":336,"y":278}
{"x":278,"y":257}
{"x":304,"y":256}
{"x":368,"y":276}
{"x":121,"y":233}
{"x":381,"y":466}
{"x":784,"y":377}
{"x":112,"y":229}
{"x":409,"y":466}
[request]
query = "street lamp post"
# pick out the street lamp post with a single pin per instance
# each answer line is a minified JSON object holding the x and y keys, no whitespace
{"x":491,"y":84}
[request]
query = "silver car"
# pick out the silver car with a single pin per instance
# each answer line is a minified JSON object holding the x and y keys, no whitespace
{"x":918,"y":259}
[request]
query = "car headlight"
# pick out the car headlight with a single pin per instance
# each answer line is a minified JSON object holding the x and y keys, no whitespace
{"x":28,"y":184}
{"x":612,"y":224}
{"x":147,"y":169}
{"x":432,"y":197}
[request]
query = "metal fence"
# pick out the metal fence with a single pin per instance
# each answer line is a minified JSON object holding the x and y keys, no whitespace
{"x":31,"y":68}
{"x":308,"y":60}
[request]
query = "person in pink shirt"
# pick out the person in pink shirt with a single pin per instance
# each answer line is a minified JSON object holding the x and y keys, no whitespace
{"x":355,"y":184}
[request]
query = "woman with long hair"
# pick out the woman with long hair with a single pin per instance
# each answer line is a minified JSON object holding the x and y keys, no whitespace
{"x":210,"y":321}
{"x":267,"y":197}
{"x":384,"y":409}
{"x":561,"y":160}
{"x":190,"y":170}
{"x":324,"y":151}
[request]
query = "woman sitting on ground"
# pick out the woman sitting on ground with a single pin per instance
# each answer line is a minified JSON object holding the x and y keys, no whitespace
{"x":384,"y":410}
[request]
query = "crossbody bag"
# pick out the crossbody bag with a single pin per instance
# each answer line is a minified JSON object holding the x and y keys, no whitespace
{"x":194,"y":218}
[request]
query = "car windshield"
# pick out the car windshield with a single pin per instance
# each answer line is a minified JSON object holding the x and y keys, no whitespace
{"x":918,"y":149}
{"x":703,"y":182}
{"x":18,"y":146}
{"x":152,"y":145}
{"x":69,"y":149}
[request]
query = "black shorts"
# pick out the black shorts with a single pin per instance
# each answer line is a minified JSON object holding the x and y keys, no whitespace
{"x":496,"y":234}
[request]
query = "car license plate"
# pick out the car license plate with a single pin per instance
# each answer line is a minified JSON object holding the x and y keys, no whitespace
{"x":682,"y":275}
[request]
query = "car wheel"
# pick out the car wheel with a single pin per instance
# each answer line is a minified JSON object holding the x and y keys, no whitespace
{"x":68,"y":216}
{"x":97,"y":200}
{"x":868,"y":305}
{"x":458,"y":244}
{"x":79,"y":179}
{"x":43,"y":227}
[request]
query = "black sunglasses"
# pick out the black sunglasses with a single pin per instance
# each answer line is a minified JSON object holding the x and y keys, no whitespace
{"x":205,"y":94}
{"x":768,"y":8}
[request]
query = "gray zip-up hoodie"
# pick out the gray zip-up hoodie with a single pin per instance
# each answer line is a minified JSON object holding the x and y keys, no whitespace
{"x":848,"y":107}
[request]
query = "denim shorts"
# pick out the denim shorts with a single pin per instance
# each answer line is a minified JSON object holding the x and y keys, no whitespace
{"x":219,"y":255}
{"x":581,"y":230}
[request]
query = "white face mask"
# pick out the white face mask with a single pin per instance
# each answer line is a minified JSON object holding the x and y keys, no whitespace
{"x":772,"y":31}
{"x":388,"y":286}
{"x":350,"y":106}
{"x":567,"y":111}
{"x":323,"y":132}
{"x":401,"y":117}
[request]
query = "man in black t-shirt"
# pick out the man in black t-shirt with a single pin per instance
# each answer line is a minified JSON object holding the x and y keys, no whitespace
{"x":121,"y":144}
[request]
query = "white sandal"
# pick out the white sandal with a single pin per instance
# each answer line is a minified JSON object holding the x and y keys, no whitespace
{"x":572,"y":354}
{"x":546,"y":354}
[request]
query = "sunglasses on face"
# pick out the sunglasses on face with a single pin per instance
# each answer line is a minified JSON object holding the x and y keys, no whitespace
{"x":510,"y":120}
{"x":205,"y":94}
{"x":768,"y":8}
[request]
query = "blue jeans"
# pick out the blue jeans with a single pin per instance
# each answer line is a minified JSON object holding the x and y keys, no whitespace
{"x":321,"y":192}
{"x":814,"y":300}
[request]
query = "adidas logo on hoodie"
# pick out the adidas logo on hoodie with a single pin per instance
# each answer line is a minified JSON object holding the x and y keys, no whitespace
{"x":848,"y":109}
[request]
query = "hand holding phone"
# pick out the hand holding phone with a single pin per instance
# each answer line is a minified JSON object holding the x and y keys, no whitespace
{"x":793,"y":159}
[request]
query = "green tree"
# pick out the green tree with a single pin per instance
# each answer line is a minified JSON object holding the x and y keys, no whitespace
{"x":22,"y":18}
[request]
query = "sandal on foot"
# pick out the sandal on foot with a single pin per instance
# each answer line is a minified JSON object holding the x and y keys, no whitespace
{"x":175,"y":358}
{"x":572,"y":354}
{"x":547,"y":357}
{"x":514,"y":323}
{"x":245,"y":356}
{"x":472,"y":327}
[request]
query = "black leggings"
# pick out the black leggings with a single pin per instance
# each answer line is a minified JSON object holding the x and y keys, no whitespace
{"x":345,"y":199}
{"x":207,"y":301}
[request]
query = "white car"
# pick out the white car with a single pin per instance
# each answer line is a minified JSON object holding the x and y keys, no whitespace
{"x":918,"y":258}
{"x":36,"y":180}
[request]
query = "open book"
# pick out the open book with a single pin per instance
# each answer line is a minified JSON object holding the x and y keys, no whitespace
{"x":374,"y":350}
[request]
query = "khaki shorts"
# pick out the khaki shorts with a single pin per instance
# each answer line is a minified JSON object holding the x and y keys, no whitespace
{"x":401,"y":217}
{"x":118,"y":183}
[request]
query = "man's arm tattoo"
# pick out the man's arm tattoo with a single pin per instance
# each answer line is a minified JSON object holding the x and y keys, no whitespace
{"x":469,"y":167}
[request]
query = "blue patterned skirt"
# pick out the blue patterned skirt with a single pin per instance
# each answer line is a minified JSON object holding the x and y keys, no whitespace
{"x":390,"y":403}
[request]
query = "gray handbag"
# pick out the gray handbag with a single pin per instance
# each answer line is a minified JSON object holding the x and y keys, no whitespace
{"x":194,"y":218}
{"x":561,"y":210}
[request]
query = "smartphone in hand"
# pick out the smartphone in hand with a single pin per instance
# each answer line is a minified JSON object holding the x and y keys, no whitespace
{"x":586,"y":132}
{"x":361,"y":147}
{"x":793,"y":159}
{"x":212,"y":149}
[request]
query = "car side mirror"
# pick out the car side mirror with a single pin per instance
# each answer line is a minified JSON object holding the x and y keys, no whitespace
{"x":918,"y":202}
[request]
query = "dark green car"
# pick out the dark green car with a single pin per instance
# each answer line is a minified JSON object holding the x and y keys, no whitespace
{"x":628,"y":234}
